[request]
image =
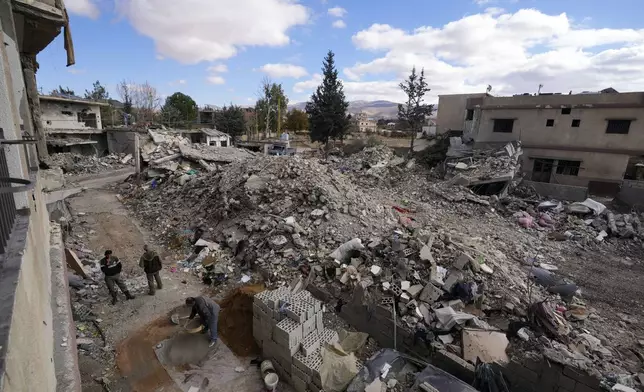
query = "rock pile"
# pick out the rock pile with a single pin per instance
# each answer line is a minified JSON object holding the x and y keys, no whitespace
{"x":75,"y":164}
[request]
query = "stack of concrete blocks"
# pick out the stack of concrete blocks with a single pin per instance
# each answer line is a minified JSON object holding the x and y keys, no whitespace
{"x":290,"y":330}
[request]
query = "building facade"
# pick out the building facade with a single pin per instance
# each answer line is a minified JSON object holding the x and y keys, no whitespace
{"x":73,"y":124}
{"x":365,"y":124}
{"x":594,"y":140}
{"x":35,"y":313}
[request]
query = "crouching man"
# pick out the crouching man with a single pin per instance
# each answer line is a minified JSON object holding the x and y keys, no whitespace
{"x":111,"y":267}
{"x":208,"y":312}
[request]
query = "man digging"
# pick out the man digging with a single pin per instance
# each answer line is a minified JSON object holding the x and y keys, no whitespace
{"x":111,"y":267}
{"x":151,"y":264}
{"x":208,"y":312}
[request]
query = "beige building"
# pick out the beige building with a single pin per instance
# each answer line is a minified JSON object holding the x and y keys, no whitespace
{"x":365,"y":124}
{"x":589,"y":139}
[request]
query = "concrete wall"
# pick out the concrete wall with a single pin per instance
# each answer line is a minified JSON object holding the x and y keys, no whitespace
{"x":64,"y":115}
{"x":120,"y":142}
{"x":595,"y":166}
{"x":217,"y":140}
{"x":632,"y":193}
{"x":26,"y":307}
{"x":536,"y":375}
{"x":558,"y":191}
{"x":452,"y":110}
{"x":530,"y":127}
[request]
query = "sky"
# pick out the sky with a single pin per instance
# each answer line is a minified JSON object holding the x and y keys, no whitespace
{"x":219,"y":51}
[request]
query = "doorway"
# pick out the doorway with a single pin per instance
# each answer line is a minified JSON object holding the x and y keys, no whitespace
{"x":542,"y":170}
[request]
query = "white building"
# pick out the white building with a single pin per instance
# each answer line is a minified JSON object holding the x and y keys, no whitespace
{"x":217,"y":138}
{"x":71,"y":114}
{"x":73,"y":124}
{"x":365,"y":124}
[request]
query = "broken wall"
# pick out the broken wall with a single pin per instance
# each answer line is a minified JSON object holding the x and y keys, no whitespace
{"x":559,"y":191}
{"x":65,"y":115}
{"x":528,"y":375}
{"x":632,"y":193}
{"x":120,"y":142}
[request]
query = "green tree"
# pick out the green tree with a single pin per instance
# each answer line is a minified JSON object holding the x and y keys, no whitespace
{"x":271,"y":107}
{"x":327,"y":109}
{"x":98,"y":92}
{"x":414,"y":112}
{"x":179,"y":107}
{"x":230,"y":119}
{"x":296,"y":120}
{"x":62,"y":91}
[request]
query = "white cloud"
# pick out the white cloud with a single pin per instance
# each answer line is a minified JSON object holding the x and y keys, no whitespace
{"x":513,"y":52}
{"x":337,"y":12}
{"x":75,"y":71}
{"x":283,"y":70}
{"x":178,"y":82}
{"x":83,"y":8}
{"x":215,"y":79}
{"x":483,"y":2}
{"x":369,"y":91}
{"x":339,"y":24}
{"x":191,"y":31}
{"x":218,"y":68}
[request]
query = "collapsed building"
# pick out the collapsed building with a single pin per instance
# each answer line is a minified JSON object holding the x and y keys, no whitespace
{"x":447,"y":273}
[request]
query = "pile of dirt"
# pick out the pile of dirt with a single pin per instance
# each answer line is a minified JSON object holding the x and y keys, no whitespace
{"x":236,"y":320}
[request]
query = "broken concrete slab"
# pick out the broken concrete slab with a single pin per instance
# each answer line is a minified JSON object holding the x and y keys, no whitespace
{"x":488,"y":346}
{"x":463,"y":260}
{"x":453,"y":278}
{"x":430,"y":293}
{"x":414,"y":290}
{"x":74,"y":263}
{"x":214,"y":154}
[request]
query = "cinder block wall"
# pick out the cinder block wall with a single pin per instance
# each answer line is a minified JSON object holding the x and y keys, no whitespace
{"x":525,"y":376}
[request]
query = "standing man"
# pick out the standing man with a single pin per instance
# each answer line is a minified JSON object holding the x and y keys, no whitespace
{"x":208,"y":312}
{"x":111,"y":267}
{"x":151,"y":264}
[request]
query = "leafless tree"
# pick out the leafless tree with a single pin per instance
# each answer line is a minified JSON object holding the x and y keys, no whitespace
{"x":145,"y":100}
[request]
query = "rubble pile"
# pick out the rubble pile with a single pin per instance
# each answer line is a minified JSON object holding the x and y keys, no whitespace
{"x":75,"y":164}
{"x":372,"y":166}
{"x":170,"y":153}
{"x":284,"y":208}
{"x":447,"y":260}
{"x":471,"y":167}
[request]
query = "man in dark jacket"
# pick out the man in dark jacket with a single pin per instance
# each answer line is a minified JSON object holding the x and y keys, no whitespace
{"x":208,"y":312}
{"x":111,"y":267}
{"x":151,"y":264}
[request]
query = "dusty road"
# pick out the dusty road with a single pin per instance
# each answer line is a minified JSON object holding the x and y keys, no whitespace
{"x":133,"y":327}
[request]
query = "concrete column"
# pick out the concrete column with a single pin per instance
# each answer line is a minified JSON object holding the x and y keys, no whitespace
{"x":137,"y":154}
{"x":29,"y":68}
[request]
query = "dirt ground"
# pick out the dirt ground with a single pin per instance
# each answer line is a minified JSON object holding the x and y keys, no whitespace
{"x":133,"y":327}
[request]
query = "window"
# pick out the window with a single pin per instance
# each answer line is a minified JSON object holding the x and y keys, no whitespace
{"x":618,"y":126}
{"x":469,"y":115}
{"x":575,"y":123}
{"x":550,"y":122}
{"x":213,"y":143}
{"x":504,"y":125}
{"x":568,"y":168}
{"x":224,"y":143}
{"x":565,"y":110}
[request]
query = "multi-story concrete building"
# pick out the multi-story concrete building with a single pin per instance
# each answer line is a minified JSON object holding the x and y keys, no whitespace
{"x":73,"y":124}
{"x":364,"y":123}
{"x":594,"y":140}
{"x":35,"y":312}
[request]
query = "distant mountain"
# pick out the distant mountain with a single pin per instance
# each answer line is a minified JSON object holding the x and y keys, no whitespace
{"x":375,"y":109}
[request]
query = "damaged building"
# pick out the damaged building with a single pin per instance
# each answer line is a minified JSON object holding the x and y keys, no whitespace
{"x":586,"y":141}
{"x":73,"y":124}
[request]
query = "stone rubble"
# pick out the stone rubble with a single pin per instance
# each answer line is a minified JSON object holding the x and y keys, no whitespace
{"x":75,"y":164}
{"x":293,"y":213}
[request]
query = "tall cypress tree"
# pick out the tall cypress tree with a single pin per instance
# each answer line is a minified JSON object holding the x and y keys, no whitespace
{"x":327,"y":109}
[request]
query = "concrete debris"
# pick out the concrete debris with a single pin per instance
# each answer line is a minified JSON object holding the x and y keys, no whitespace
{"x":74,"y":164}
{"x":445,"y":256}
